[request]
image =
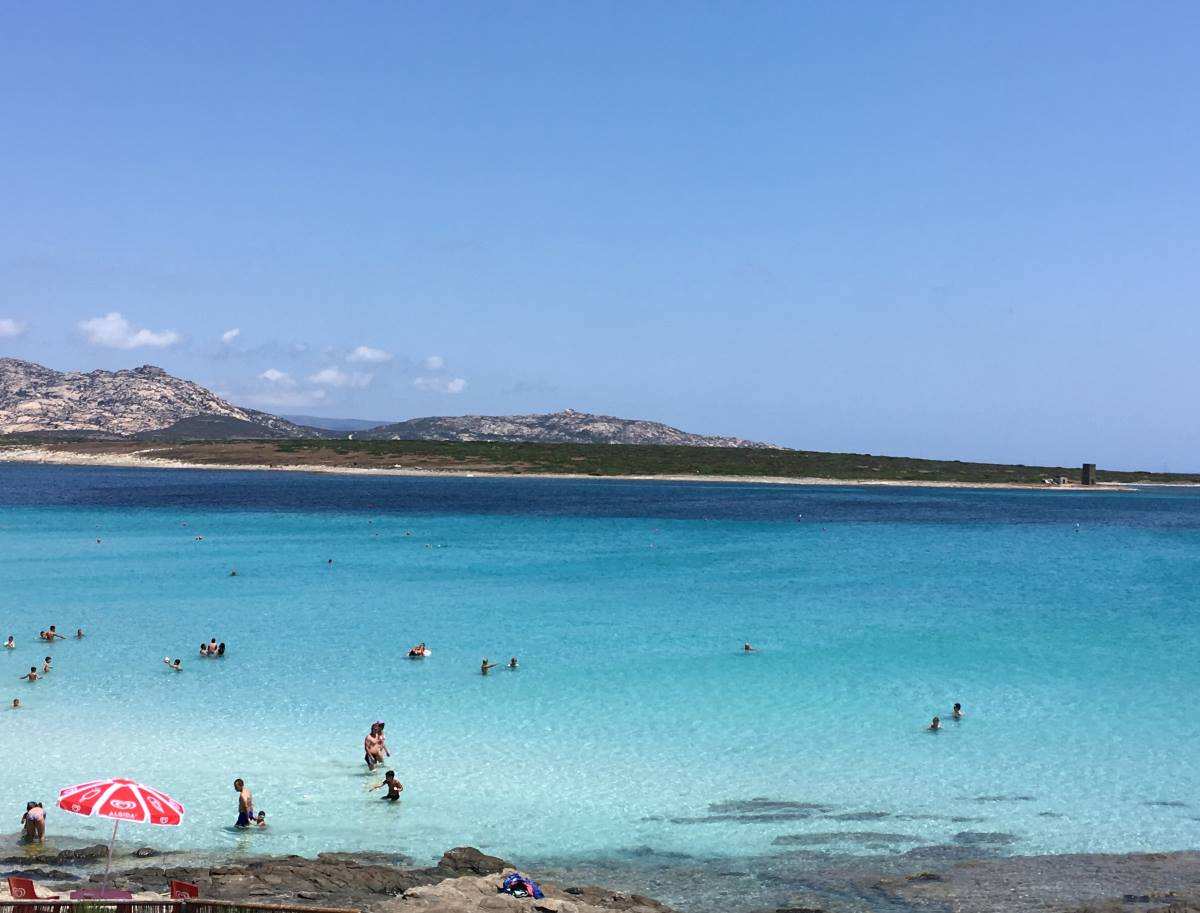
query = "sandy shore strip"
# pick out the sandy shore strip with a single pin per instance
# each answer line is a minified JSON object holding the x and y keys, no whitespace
{"x":147,"y":459}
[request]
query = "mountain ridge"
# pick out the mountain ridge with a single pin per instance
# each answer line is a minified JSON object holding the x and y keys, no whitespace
{"x":564,"y":427}
{"x":144,"y":402}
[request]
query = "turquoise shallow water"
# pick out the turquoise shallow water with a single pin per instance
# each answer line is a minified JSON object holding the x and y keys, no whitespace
{"x":1074,"y":651}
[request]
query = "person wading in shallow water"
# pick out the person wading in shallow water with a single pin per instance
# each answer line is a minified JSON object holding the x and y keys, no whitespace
{"x":245,"y":803}
{"x":485,"y":667}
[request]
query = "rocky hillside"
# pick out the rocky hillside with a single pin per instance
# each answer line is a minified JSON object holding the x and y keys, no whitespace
{"x":566,"y":427}
{"x":143,"y":402}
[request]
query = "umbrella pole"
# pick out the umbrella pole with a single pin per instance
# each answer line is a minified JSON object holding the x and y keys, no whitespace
{"x":108,"y":864}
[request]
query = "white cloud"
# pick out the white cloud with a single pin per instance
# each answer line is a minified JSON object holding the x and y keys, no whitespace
{"x":115,"y":332}
{"x":230,"y":335}
{"x":369,"y":355}
{"x":333,"y":377}
{"x":440,"y":384}
{"x":434,"y":363}
{"x":275,"y":376}
{"x":10,"y":328}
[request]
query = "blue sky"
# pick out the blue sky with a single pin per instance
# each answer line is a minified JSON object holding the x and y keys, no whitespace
{"x":955,"y":230}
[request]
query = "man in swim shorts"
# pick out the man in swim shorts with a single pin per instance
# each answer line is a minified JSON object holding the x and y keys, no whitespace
{"x":245,"y":803}
{"x":374,"y":749}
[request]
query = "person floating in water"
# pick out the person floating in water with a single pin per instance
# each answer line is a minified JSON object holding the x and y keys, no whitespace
{"x":233,"y":573}
{"x":10,"y":644}
{"x":512,"y":663}
{"x":935,"y":725}
{"x":245,"y":803}
{"x":31,"y":674}
{"x":177,"y":665}
{"x":485,"y":667}
{"x":420,"y":651}
{"x":16,"y":704}
{"x":394,"y":786}
{"x":79,"y":633}
{"x":746,"y":648}
{"x":957,"y":712}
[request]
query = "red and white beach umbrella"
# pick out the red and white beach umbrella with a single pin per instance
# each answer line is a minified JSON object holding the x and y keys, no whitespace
{"x":121,"y":800}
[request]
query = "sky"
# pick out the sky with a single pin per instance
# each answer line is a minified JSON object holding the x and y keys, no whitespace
{"x":918,"y":228}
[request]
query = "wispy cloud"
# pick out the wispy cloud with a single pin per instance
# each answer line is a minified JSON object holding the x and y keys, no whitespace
{"x":230,"y":335}
{"x":275,"y":376}
{"x":440,"y":384}
{"x":10,"y":328}
{"x":369,"y":355}
{"x":433,"y":363}
{"x":115,"y":332}
{"x":334,"y":377}
{"x":283,"y":399}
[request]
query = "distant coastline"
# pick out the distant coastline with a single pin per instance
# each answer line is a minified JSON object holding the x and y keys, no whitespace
{"x":144,"y":457}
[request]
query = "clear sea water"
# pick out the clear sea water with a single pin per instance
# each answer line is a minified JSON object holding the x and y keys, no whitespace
{"x":1066,"y":623}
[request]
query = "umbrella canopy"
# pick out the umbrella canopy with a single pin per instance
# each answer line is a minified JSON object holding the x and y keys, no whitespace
{"x":122,"y":800}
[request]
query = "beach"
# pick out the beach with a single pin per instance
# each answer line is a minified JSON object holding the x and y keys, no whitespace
{"x":637,"y":745}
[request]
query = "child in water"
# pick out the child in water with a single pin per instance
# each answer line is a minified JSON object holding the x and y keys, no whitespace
{"x":394,"y":786}
{"x":260,"y":820}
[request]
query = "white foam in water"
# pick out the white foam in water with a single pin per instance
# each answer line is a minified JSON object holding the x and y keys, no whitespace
{"x":634,"y":708}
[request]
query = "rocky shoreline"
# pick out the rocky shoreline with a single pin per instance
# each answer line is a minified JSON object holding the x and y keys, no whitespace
{"x":465,"y":880}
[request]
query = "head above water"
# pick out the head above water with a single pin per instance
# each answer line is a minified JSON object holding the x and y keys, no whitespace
{"x":239,"y":784}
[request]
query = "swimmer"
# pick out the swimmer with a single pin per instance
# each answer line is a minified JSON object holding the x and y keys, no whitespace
{"x":485,"y":667}
{"x":746,"y":648}
{"x":261,"y":820}
{"x":79,"y":633}
{"x":46,"y":665}
{"x":329,"y":561}
{"x":420,"y":651}
{"x":221,"y":649}
{"x":203,"y":649}
{"x":177,"y":665}
{"x":53,"y":633}
{"x":10,"y":644}
{"x":16,"y":704}
{"x":199,"y":538}
{"x":957,"y":712}
{"x":512,"y":663}
{"x":935,"y":725}
{"x":212,"y":647}
{"x":233,"y":573}
{"x":394,"y":786}
{"x":31,"y":674}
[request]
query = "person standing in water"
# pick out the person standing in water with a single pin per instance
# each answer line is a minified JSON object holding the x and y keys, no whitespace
{"x":957,"y":712}
{"x":746,"y":648}
{"x":485,"y":667}
{"x":245,"y":803}
{"x":31,"y":674}
{"x":394,"y":786}
{"x":935,"y":725}
{"x":10,"y":644}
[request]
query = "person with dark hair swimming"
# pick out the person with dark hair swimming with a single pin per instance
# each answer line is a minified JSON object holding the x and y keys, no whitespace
{"x":221,"y":649}
{"x":394,"y":786}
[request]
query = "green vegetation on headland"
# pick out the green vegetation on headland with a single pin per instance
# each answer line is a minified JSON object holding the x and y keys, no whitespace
{"x":601,"y":460}
{"x":665,"y":460}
